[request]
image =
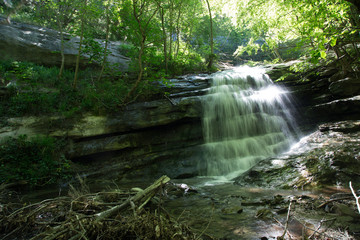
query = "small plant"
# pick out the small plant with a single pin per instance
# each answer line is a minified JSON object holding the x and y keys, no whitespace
{"x":302,"y":66}
{"x":93,"y":49}
{"x":128,"y":50}
{"x":36,"y":160}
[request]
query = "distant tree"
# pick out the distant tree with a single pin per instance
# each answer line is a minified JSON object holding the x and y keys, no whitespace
{"x":212,"y":55}
{"x":317,"y":26}
{"x":62,"y":13}
{"x":83,"y":6}
{"x":164,"y":33}
{"x":143,"y":11}
{"x":14,"y":7}
{"x":106,"y":39}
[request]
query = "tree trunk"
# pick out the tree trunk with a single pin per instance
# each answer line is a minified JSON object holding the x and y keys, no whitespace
{"x":211,"y":57}
{"x":14,"y":10}
{"x":141,"y":70}
{"x":106,"y":43}
{"x":80,"y":45}
{"x":346,"y":66}
{"x":178,"y":31}
{"x":190,"y":33}
{"x":61,"y":47}
{"x":166,"y":61}
{"x":140,"y":198}
{"x":142,"y":34}
{"x":277,"y":54}
{"x":171,"y":27}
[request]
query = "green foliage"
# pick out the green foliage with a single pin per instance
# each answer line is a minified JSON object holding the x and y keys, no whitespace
{"x":270,"y":30}
{"x":250,"y":49}
{"x":317,"y":27}
{"x":29,"y":73}
{"x":36,"y":90}
{"x":188,"y":63}
{"x":35,"y":160}
{"x":93,"y":49}
{"x":302,"y":66}
{"x":128,"y":50}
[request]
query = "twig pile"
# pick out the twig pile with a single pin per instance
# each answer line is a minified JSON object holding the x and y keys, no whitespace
{"x":104,"y":215}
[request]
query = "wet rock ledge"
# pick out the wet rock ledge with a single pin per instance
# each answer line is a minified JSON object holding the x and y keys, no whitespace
{"x":321,"y":94}
{"x":327,"y":157}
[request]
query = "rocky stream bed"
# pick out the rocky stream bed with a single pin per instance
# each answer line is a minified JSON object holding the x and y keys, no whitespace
{"x":305,"y":191}
{"x":306,"y":188}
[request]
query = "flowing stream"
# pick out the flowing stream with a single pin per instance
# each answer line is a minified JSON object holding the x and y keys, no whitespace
{"x":245,"y":120}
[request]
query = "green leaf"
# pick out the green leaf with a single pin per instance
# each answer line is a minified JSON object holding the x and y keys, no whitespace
{"x":323,"y":54}
{"x":333,"y":41}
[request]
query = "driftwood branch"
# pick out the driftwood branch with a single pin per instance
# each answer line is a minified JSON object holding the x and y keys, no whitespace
{"x":316,"y":231}
{"x":142,"y":195}
{"x":356,"y":197}
{"x":332,"y":200}
{"x":287,"y":221}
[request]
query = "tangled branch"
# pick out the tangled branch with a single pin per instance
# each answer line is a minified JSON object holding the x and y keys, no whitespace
{"x":356,"y":197}
{"x":85,"y":216}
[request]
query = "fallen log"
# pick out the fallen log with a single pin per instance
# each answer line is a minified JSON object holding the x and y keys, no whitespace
{"x":141,"y":197}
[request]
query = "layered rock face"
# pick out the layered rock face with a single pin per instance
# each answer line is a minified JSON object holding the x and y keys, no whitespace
{"x":146,"y":139}
{"x":24,"y":42}
{"x":324,"y":95}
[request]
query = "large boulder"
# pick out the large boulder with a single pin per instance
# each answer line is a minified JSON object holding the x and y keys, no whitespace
{"x":282,"y":71}
{"x":24,"y":42}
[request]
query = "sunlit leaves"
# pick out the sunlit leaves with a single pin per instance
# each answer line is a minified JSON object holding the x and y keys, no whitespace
{"x":323,"y":54}
{"x":333,"y":41}
{"x":251,"y":48}
{"x":317,"y":25}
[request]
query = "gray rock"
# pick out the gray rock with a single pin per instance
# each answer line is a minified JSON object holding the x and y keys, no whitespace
{"x":337,"y":76}
{"x":24,"y":42}
{"x":344,"y":127}
{"x":329,"y":72}
{"x":346,"y":108}
{"x":275,"y":71}
{"x":347,"y":87}
{"x":328,"y":156}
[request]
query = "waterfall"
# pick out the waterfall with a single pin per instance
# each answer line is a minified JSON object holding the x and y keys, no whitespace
{"x":245,"y":120}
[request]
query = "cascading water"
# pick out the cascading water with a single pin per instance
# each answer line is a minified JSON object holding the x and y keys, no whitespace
{"x":246,"y":119}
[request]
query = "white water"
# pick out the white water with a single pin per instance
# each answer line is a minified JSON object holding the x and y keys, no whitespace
{"x":245,"y":120}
